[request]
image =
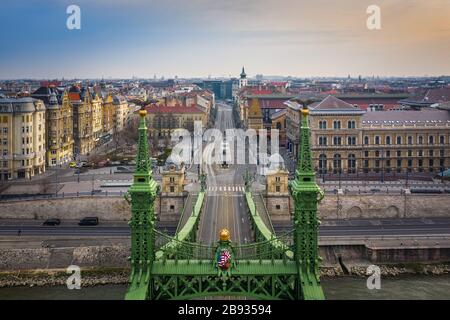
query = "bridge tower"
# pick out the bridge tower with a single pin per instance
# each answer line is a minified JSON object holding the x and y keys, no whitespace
{"x":306,"y":195}
{"x":142,"y":195}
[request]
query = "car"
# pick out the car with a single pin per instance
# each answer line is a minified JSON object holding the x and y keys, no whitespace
{"x":88,"y":221}
{"x":72,"y":164}
{"x":52,"y":222}
{"x":124,"y":170}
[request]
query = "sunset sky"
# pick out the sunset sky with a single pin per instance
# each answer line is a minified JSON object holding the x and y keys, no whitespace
{"x":192,"y":38}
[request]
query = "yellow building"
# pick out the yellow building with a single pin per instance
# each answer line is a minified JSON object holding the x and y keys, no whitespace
{"x":347,"y":139}
{"x":173,"y":181}
{"x":108,"y":113}
{"x":22,"y":136}
{"x":97,"y":117}
{"x":80,"y":101}
{"x":59,"y":125}
{"x":254,"y":117}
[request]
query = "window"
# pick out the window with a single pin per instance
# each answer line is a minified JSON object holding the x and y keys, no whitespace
{"x":277,"y":189}
{"x":336,"y":124}
{"x":399,"y":140}
{"x":337,"y":163}
{"x":337,"y":141}
{"x":431,"y":153}
{"x":442,"y":153}
{"x":351,"y":163}
{"x":5,"y":130}
{"x":366,"y":154}
{"x":377,"y":140}
{"x":399,"y":153}
{"x":322,"y":124}
{"x":277,"y":179}
{"x":172,"y":189}
{"x":351,"y":141}
{"x":351,"y":124}
{"x":54,"y":161}
{"x":366,"y":140}
{"x":431,"y":139}
{"x":172,"y":207}
{"x":377,"y":154}
{"x":441,"y":139}
{"x":431,"y":164}
{"x":420,"y":153}
{"x":388,"y":140}
{"x":420,"y":140}
{"x":278,"y":207}
{"x":388,"y":153}
{"x":322,"y":141}
{"x":322,"y":163}
{"x":409,"y":162}
{"x":409,"y":153}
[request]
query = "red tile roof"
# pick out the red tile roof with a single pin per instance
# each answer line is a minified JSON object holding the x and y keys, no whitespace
{"x":74,"y":96}
{"x":178,"y":109}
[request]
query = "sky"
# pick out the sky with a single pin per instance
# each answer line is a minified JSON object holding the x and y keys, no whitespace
{"x":200,"y":38}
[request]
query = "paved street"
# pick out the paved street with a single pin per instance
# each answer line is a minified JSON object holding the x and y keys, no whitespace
{"x":344,"y":229}
{"x":225,"y":203}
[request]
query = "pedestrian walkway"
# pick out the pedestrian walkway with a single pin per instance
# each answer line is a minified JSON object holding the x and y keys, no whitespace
{"x":226,"y":189}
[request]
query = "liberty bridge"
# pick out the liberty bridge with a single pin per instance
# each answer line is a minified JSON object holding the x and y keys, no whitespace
{"x":207,"y":255}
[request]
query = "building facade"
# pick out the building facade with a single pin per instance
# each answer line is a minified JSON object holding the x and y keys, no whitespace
{"x":59,"y":125}
{"x":80,"y":101}
{"x":22,"y":135}
{"x":346,"y":139}
{"x":164,"y":120}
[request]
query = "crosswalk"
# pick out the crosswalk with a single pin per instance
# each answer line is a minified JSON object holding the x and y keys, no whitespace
{"x":226,"y":189}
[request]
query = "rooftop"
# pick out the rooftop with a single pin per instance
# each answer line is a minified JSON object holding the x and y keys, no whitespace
{"x":407,"y":117}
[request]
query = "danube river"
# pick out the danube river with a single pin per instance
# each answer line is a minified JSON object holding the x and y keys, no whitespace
{"x":341,"y":288}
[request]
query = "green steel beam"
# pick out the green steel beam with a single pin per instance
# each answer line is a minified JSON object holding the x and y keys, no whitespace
{"x":188,"y":230}
{"x":142,"y":195}
{"x":306,"y":194}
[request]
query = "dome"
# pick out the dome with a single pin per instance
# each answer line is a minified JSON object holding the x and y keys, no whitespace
{"x":276,"y":162}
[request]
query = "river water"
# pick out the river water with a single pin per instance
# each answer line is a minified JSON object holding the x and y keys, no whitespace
{"x":341,"y":288}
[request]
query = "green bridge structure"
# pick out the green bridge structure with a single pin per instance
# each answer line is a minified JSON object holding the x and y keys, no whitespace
{"x":178,"y":267}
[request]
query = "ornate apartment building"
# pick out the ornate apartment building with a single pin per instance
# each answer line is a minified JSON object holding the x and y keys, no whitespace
{"x":108,"y":112}
{"x":22,"y":136}
{"x":350,"y":140}
{"x":121,"y":113}
{"x":80,"y":101}
{"x":97,"y":116}
{"x":59,"y":125}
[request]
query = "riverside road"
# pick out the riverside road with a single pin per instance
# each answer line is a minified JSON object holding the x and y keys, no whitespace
{"x":344,"y":229}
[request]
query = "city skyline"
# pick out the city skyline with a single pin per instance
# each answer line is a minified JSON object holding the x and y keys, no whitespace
{"x":202,"y":38}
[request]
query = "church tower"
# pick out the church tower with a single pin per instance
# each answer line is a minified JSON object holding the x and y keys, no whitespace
{"x":243,"y":82}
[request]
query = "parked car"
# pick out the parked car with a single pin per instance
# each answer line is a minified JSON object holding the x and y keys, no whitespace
{"x":72,"y":164}
{"x":88,"y":221}
{"x":52,"y":222}
{"x":124,"y":170}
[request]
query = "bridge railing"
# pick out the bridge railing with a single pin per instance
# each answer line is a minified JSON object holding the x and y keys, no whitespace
{"x":186,"y":234}
{"x":262,"y":232}
{"x":171,"y":248}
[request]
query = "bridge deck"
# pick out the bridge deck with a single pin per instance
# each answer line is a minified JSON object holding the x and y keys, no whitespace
{"x":206,"y":268}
